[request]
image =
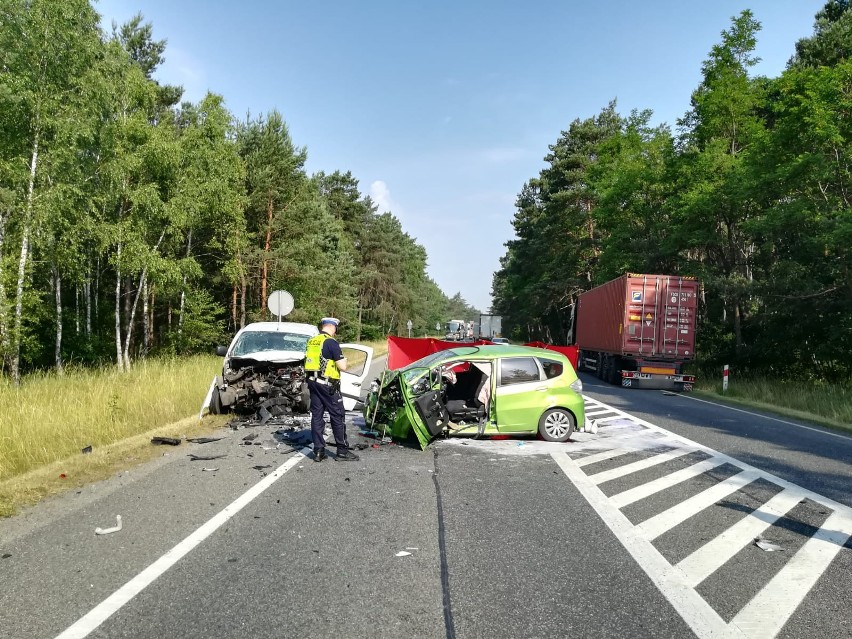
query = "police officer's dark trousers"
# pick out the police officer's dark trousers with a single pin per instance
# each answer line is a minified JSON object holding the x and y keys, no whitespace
{"x":325,"y":398}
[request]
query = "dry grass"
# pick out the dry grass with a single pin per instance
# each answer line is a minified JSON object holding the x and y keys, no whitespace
{"x":50,"y":418}
{"x":79,"y":470}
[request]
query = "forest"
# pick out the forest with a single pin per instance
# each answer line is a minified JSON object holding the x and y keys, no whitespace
{"x":750,"y":193}
{"x":133,"y":223}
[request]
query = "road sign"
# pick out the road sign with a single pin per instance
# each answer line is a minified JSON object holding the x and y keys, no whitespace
{"x":409,"y":324}
{"x":280,"y":303}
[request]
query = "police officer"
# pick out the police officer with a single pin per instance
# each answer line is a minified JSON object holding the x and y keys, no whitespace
{"x":323,"y":362}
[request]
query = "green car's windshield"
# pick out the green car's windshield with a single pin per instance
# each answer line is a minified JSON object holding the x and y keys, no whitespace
{"x":259,"y":341}
{"x":415,"y":369}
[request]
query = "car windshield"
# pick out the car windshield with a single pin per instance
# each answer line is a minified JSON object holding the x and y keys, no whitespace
{"x":259,"y":341}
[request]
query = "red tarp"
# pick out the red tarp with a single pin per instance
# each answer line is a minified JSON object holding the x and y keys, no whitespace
{"x":571,"y":352}
{"x":404,"y":350}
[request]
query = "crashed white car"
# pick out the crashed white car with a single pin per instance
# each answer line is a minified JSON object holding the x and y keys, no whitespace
{"x":264,"y":372}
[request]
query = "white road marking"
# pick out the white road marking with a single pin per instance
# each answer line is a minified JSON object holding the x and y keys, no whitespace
{"x":668,"y":519}
{"x":773,"y":419}
{"x":109,"y":606}
{"x":604,"y":456}
{"x":642,"y":464}
{"x":652,"y":487}
{"x":718,"y":551}
{"x":765,"y":615}
{"x":697,"y":613}
{"x":771,"y":608}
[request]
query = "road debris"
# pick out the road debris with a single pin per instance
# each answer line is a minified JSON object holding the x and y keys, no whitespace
{"x":203,"y":440}
{"x":209,"y":470}
{"x":6,"y":555}
{"x":107,"y":531}
{"x":402,"y":553}
{"x":204,"y":457}
{"x":765,"y":544}
{"x":171,"y":441}
{"x":259,"y":467}
{"x":87,"y":449}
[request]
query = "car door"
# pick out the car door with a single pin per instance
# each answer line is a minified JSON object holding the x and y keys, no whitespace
{"x":520,"y":394}
{"x":359,"y":358}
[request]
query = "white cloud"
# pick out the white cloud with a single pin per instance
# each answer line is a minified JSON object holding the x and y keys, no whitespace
{"x":380,"y":194}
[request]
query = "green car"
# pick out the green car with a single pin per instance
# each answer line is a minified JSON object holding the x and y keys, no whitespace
{"x":481,"y":390}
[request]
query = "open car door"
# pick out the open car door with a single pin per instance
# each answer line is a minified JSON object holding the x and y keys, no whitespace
{"x":426,"y":413}
{"x":358,"y":358}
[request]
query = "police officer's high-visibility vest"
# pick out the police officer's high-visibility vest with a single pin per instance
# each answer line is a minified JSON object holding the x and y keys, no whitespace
{"x":316,"y":363}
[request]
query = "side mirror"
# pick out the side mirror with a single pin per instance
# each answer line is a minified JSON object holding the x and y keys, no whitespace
{"x":221,"y":351}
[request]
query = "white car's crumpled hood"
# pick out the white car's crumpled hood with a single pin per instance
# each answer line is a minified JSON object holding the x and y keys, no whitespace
{"x":285,"y":357}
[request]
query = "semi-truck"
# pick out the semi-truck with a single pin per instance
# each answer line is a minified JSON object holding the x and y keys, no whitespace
{"x":639,"y":330}
{"x":490,"y":326}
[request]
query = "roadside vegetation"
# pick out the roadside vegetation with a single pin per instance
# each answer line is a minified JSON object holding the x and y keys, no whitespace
{"x":749,"y":193}
{"x":133,"y":223}
{"x":49,"y":419}
{"x":826,"y":403}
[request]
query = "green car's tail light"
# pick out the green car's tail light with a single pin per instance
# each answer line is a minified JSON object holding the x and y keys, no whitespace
{"x":576,"y":385}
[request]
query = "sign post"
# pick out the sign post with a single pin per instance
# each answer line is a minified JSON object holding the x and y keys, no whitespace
{"x":725,"y":379}
{"x":409,"y":324}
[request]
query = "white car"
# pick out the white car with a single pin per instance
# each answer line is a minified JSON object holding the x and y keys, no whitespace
{"x":499,"y":340}
{"x":264,"y":370}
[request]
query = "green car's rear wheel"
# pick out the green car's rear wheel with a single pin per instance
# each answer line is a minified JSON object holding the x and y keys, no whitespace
{"x":556,"y":425}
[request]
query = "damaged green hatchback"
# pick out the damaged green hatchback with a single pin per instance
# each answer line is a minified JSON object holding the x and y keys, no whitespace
{"x":481,"y":390}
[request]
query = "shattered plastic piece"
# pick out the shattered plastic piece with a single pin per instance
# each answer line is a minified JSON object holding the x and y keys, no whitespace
{"x":592,"y":427}
{"x":203,"y":440}
{"x":204,"y":457}
{"x":208,"y":470}
{"x":107,"y":531}
{"x":668,"y":393}
{"x":171,"y":441}
{"x":62,"y":475}
{"x":402,"y":553}
{"x":249,"y":438}
{"x":6,"y":555}
{"x":87,"y":449}
{"x":262,"y":467}
{"x":410,"y":548}
{"x":520,"y":444}
{"x":765,"y":544}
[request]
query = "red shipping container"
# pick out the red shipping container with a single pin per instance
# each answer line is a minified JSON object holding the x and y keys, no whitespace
{"x":640,"y":316}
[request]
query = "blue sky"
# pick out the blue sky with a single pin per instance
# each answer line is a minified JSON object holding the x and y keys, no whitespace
{"x":442,"y":109}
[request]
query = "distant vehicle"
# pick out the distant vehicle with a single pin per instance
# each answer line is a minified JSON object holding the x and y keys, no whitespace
{"x":264,"y":368}
{"x":456,"y":330}
{"x":484,"y":390}
{"x":639,"y":330}
{"x":490,"y":326}
{"x":499,"y":340}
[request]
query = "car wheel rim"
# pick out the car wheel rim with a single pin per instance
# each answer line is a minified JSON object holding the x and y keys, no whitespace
{"x":557,"y":424}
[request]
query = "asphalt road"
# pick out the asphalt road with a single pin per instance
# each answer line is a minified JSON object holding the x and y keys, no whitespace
{"x":511,"y":538}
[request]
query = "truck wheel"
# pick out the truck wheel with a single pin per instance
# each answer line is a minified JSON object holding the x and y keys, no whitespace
{"x":556,"y":425}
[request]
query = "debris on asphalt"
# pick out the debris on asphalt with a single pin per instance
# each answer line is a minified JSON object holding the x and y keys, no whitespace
{"x":171,"y":441}
{"x":209,"y":470}
{"x":6,"y":555}
{"x":402,"y":553}
{"x":668,"y":393}
{"x":249,"y":438}
{"x":204,"y":457}
{"x":765,"y":544}
{"x":107,"y":531}
{"x":203,"y":440}
{"x":262,"y":467}
{"x":62,"y":475}
{"x":87,"y":449}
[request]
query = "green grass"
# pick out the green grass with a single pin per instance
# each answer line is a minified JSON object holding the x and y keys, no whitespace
{"x":52,"y":417}
{"x":828,"y":404}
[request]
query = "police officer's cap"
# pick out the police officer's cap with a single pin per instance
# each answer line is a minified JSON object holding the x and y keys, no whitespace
{"x":329,"y":320}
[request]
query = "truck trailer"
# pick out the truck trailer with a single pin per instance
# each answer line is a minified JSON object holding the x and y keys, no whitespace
{"x":639,"y":330}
